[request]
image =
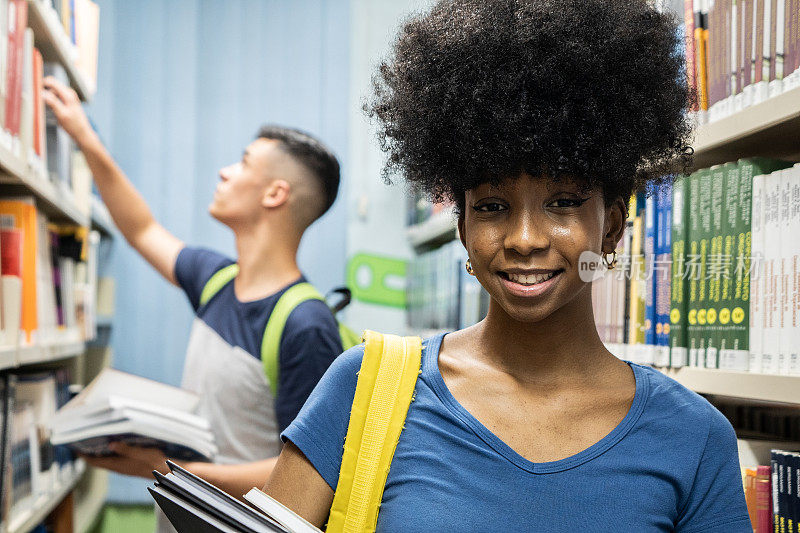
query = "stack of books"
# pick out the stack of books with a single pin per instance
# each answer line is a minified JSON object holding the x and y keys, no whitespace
{"x":120,"y":407}
{"x":196,"y":506}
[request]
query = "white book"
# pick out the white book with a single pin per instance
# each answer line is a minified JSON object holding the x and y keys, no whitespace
{"x":792,"y":334}
{"x":177,"y":443}
{"x":757,"y":276}
{"x":279,"y":512}
{"x":786,"y":253}
{"x":771,"y":362}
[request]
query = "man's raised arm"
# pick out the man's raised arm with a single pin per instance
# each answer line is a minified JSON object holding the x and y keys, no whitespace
{"x":127,"y":207}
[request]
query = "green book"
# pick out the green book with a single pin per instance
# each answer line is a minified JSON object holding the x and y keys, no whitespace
{"x":692,"y":266}
{"x":703,"y":251}
{"x":679,"y":285}
{"x":713,"y":278}
{"x":727,"y":256}
{"x":748,"y":272}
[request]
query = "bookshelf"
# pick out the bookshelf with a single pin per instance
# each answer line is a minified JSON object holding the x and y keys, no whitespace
{"x":438,"y":229}
{"x":742,"y":385}
{"x":101,"y":218}
{"x":54,"y":44}
{"x":770,"y":129}
{"x":58,"y":204}
{"x":44,"y":505}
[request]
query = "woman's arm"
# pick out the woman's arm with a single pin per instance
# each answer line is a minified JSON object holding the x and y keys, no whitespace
{"x":297,"y":485}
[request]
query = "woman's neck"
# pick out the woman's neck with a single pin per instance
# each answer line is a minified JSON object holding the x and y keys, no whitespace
{"x":560,"y":347}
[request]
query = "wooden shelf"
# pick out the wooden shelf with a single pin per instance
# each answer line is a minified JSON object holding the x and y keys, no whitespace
{"x":438,"y":229}
{"x":26,"y":520}
{"x":744,"y":385}
{"x":52,"y":41}
{"x":770,"y":129}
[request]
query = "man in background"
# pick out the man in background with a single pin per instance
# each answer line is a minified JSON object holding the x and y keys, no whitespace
{"x":284,"y":181}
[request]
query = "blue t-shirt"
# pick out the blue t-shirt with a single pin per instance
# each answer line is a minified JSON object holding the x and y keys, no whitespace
{"x":310,"y":340}
{"x":670,"y":465}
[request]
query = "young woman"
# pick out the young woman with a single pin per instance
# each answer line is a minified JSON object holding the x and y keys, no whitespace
{"x":538,"y":119}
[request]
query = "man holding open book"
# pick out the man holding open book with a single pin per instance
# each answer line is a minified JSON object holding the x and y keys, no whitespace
{"x":284,"y":182}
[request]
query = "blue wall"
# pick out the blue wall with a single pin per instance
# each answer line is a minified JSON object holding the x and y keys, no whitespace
{"x":182,"y":88}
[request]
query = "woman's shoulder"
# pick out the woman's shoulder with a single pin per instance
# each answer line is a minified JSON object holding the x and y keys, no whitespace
{"x":672,"y":400}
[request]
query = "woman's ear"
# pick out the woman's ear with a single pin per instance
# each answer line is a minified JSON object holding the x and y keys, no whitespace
{"x":461,"y":233}
{"x":616,"y":215}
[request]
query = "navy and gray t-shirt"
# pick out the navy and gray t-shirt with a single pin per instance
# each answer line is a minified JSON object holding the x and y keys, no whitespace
{"x":223,"y":360}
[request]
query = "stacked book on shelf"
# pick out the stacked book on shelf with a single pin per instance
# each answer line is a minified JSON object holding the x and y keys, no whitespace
{"x":771,"y":491}
{"x":195,"y":506}
{"x":709,"y":272}
{"x":49,"y":278}
{"x":117,"y":406}
{"x":32,"y":465}
{"x":740,"y":52}
{"x":441,"y":295}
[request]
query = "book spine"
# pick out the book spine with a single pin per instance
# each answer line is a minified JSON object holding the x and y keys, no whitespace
{"x":776,"y":511}
{"x":773,"y":30}
{"x":727,"y":256}
{"x":750,"y":493}
{"x":785,"y":332}
{"x":733,"y":47}
{"x":780,"y":37}
{"x":759,"y":8}
{"x":695,"y":267}
{"x":771,"y":344}
{"x":650,"y":216}
{"x":757,"y":261}
{"x":781,"y":465}
{"x":792,"y":287}
{"x":664,"y":280}
{"x":679,"y":286}
{"x":742,"y":239}
{"x":748,"y":43}
{"x":790,"y":494}
{"x":18,"y":20}
{"x":701,"y":51}
{"x":690,"y":50}
{"x":763,"y":522}
{"x":704,"y":290}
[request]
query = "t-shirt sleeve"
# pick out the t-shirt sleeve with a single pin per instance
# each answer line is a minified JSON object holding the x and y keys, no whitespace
{"x":321,"y":426}
{"x":194,"y":267}
{"x":309,"y":344}
{"x":716,"y":502}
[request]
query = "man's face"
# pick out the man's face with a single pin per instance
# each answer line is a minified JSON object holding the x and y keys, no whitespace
{"x":239,"y":194}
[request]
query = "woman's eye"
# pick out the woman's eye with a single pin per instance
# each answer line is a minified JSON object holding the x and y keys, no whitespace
{"x":568,"y":202}
{"x":490,"y":207}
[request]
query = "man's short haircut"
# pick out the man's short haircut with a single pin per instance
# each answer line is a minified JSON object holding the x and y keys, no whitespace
{"x":312,"y":154}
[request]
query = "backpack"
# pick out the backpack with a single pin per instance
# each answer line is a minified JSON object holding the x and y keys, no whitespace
{"x":384,"y":392}
{"x":289,"y":300}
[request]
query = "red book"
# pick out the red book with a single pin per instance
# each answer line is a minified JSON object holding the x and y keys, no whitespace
{"x":17,"y":22}
{"x":763,"y":500}
{"x":38,"y":103}
{"x":11,"y":252}
{"x":691,"y":69}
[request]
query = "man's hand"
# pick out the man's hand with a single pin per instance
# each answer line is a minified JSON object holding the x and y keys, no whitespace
{"x":67,"y":109}
{"x":131,"y":460}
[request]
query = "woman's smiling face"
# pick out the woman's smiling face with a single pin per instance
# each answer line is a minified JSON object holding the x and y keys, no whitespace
{"x":525,"y":237}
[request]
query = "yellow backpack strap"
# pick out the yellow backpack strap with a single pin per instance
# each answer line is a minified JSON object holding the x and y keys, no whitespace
{"x":271,"y":341}
{"x":215,"y":283}
{"x":384,"y":391}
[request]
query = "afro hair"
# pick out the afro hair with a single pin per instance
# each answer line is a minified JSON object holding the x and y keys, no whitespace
{"x":478,"y":91}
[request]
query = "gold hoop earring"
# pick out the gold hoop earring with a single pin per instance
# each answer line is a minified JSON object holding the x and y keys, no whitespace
{"x":468,"y":266}
{"x":610,"y":264}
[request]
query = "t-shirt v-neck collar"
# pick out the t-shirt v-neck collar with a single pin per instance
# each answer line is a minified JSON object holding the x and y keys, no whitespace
{"x":432,"y":373}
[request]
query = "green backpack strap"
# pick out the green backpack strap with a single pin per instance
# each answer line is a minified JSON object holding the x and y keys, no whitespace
{"x":220,"y":278}
{"x":271,"y":342}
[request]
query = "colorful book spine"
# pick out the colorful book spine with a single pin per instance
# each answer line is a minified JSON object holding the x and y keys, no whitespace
{"x":790,"y":332}
{"x":701,"y":47}
{"x":689,"y":42}
{"x":713,"y":270}
{"x":771,"y":361}
{"x":664,"y":274}
{"x":763,"y":523}
{"x":679,"y":286}
{"x":693,"y":266}
{"x":650,"y":216}
{"x":727,"y":260}
{"x":17,"y":22}
{"x":704,"y":201}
